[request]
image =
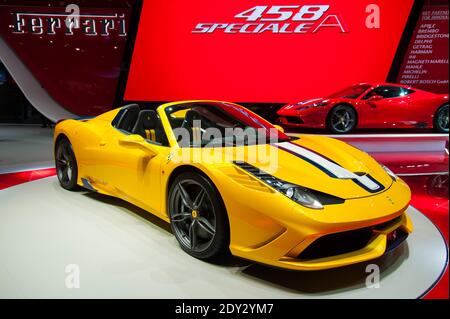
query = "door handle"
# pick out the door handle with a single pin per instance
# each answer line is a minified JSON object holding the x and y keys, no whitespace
{"x":102,"y":143}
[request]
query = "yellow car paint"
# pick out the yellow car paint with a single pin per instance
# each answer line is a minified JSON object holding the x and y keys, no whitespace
{"x":265,"y":225}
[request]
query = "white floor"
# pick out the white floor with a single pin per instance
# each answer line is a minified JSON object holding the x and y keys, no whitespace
{"x":124,"y":252}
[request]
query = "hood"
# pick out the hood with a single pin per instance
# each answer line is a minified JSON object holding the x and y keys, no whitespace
{"x":325,"y":165}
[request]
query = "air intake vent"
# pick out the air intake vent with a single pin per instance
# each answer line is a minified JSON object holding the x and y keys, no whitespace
{"x":245,"y":180}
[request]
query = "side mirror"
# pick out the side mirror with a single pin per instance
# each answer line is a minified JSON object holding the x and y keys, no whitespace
{"x":279,"y":128}
{"x":375,"y":98}
{"x":137,"y":141}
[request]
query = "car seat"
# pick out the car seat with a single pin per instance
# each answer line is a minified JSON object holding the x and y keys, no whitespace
{"x":148,"y":125}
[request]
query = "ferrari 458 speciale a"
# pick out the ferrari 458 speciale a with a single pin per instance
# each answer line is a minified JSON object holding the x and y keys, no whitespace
{"x":381,"y":105}
{"x":326,"y":204}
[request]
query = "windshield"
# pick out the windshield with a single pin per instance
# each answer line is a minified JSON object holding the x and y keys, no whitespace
{"x":220,"y":124}
{"x":352,"y":92}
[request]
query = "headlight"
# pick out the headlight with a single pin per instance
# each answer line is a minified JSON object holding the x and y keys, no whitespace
{"x":323,"y":103}
{"x":302,"y":196}
{"x":390,"y":173}
{"x":298,"y":194}
{"x":318,"y":104}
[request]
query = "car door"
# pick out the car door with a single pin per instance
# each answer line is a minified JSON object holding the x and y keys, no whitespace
{"x":134,"y":169}
{"x":129,"y":167}
{"x":387,"y":106}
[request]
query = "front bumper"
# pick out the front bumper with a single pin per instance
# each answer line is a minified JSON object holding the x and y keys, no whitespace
{"x":310,"y":118}
{"x":297,"y":229}
{"x":376,"y":247}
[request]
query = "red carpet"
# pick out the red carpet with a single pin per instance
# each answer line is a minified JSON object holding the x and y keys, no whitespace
{"x":12,"y":179}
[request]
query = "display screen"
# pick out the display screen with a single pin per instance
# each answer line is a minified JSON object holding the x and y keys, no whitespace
{"x":262,"y":51}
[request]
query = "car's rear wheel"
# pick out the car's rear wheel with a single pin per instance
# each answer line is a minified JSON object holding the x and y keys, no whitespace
{"x":441,"y":119}
{"x":341,"y":119}
{"x":198,"y":217}
{"x":66,"y":165}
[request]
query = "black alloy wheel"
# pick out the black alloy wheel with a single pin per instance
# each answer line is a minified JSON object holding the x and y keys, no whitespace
{"x":441,"y":119}
{"x":66,"y":165}
{"x":198,"y":217}
{"x":342,"y":119}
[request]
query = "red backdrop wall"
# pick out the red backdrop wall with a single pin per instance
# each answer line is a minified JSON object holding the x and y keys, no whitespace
{"x":171,"y":62}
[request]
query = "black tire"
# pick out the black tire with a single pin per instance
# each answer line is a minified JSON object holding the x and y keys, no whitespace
{"x":440,"y":122}
{"x":200,"y":226}
{"x":342,"y":119}
{"x":66,"y":165}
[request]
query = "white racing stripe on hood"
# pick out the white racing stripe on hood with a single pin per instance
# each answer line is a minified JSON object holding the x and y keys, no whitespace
{"x":325,"y":164}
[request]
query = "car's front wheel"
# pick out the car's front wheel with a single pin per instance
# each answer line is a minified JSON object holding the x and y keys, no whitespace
{"x":441,"y":119}
{"x":341,"y":119}
{"x":66,"y":165}
{"x":198,"y":217}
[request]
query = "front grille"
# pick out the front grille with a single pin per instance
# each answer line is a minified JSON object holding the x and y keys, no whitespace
{"x":294,"y":119}
{"x":388,"y":223}
{"x":337,"y":244}
{"x":394,"y":243}
{"x":346,"y":242}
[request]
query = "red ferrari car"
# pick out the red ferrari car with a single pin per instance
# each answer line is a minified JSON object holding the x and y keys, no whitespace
{"x":366,"y":105}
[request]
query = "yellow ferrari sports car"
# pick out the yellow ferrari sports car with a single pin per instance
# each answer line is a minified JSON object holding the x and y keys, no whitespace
{"x":228,"y":181}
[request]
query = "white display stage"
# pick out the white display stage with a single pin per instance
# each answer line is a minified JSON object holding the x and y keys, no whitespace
{"x":124,"y":252}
